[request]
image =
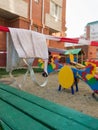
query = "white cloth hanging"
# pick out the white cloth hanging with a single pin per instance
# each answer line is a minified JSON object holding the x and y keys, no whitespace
{"x":29,"y":44}
{"x":25,"y":44}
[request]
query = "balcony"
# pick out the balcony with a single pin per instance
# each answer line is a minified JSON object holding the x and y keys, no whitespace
{"x":10,"y":9}
{"x":53,"y":23}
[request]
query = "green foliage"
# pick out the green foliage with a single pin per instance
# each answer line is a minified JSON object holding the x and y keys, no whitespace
{"x":17,"y":71}
{"x":3,"y":72}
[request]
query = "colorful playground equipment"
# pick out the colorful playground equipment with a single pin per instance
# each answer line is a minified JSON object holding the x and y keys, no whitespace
{"x":67,"y":79}
{"x":95,"y":61}
{"x":53,"y":64}
{"x":70,"y":74}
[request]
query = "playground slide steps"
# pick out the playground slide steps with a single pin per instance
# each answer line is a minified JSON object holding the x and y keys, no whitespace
{"x":20,"y":110}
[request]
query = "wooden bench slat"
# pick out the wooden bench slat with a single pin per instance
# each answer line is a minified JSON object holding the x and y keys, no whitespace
{"x":69,"y":113}
{"x":47,"y":118}
{"x":65,"y":112}
{"x":4,"y":126}
{"x":18,"y":120}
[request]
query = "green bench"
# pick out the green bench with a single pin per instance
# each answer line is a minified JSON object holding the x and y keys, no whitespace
{"x":20,"y":110}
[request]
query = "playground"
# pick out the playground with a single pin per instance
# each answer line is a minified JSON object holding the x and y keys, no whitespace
{"x":57,"y":87}
{"x":81,"y":100}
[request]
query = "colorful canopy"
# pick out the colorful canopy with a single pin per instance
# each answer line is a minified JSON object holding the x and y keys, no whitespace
{"x":72,"y":51}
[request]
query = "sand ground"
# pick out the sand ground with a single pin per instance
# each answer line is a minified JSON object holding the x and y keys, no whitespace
{"x":81,"y":100}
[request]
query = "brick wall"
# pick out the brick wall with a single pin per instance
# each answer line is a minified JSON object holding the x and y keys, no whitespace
{"x":91,"y":52}
{"x":55,"y":44}
{"x":37,"y":13}
{"x":2,"y":41}
{"x":2,"y":44}
{"x":2,"y":49}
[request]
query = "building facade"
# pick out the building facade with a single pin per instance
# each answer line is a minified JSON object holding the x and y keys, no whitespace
{"x":92,"y":35}
{"x":44,"y":16}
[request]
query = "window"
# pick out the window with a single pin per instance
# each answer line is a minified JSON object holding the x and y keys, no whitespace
{"x":55,"y":10}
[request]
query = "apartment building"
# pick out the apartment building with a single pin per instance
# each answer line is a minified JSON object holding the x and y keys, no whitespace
{"x":44,"y":16}
{"x":92,"y":35}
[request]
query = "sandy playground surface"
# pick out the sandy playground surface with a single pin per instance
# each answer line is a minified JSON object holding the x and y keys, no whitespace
{"x":81,"y":101}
